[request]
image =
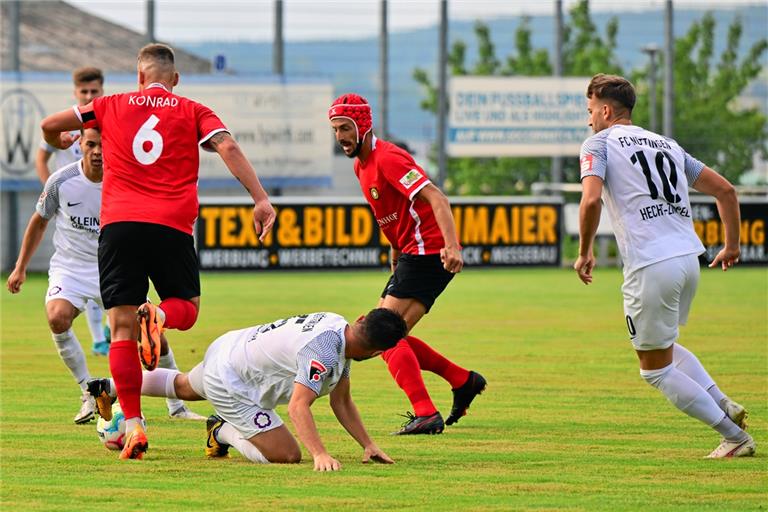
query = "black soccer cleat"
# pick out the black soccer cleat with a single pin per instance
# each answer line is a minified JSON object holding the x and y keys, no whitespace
{"x":464,"y":395}
{"x":421,"y":424}
{"x":99,"y":390}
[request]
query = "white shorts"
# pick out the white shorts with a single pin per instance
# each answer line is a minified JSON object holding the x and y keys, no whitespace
{"x":77,"y":290}
{"x":657,"y":300}
{"x":214,"y":380}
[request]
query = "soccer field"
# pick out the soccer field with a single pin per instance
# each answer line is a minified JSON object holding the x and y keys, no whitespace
{"x":565,"y":424}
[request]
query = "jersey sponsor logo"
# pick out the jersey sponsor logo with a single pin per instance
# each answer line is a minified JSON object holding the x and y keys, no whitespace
{"x":586,"y":163}
{"x":410,"y":178}
{"x":316,"y":370}
{"x":73,"y":204}
{"x":374,"y":193}
{"x":262,"y":420}
{"x":383,"y":221}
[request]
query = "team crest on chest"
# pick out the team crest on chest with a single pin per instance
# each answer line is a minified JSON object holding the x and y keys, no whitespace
{"x":374,"y":192}
{"x":316,"y":370}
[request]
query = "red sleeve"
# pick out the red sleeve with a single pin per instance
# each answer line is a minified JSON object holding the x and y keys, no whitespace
{"x":403,"y":173}
{"x":208,"y":124}
{"x":91,"y":113}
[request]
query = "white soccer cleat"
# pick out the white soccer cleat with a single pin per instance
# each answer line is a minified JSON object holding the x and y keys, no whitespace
{"x":183,"y":413}
{"x":728,"y":449}
{"x":736,"y":412}
{"x":87,"y":409}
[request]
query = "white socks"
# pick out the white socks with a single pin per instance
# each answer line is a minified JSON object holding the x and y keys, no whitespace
{"x":169,"y":362}
{"x":685,"y":361}
{"x":692,"y":399}
{"x":72,"y":354}
{"x":94,"y":314}
{"x":228,"y":434}
{"x":159,"y":382}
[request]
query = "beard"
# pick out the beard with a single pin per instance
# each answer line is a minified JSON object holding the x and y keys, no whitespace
{"x":356,"y":151}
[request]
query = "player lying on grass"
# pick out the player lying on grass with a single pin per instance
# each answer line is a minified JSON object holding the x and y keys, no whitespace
{"x":246,"y":373}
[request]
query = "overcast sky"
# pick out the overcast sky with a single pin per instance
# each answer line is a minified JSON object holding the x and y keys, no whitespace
{"x":252,"y":20}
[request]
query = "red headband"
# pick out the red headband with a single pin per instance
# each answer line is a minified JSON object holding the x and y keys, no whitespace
{"x":356,"y":109}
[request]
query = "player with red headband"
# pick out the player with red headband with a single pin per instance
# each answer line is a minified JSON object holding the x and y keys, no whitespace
{"x":149,"y":205}
{"x":416,"y":218}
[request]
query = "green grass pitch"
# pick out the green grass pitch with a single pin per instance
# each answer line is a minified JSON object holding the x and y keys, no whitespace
{"x":565,"y":424}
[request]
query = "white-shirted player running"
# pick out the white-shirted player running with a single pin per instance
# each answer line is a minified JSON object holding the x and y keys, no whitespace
{"x":89,"y":84}
{"x":73,"y":196}
{"x":643,"y":178}
{"x":246,"y":373}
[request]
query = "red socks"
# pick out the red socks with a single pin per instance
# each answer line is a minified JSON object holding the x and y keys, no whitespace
{"x":126,"y":371}
{"x":434,"y":362}
{"x":404,"y":367}
{"x":179,"y":313}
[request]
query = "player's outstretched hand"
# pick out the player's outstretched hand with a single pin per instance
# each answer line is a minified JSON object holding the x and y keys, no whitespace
{"x":263,"y":218}
{"x":325,"y":462}
{"x":372,"y":453}
{"x":451,"y":258}
{"x":15,"y":280}
{"x":584,"y":266}
{"x":726,"y":258}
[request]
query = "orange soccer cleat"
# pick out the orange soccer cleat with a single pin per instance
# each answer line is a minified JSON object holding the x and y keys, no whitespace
{"x":150,"y":329}
{"x":136,"y":444}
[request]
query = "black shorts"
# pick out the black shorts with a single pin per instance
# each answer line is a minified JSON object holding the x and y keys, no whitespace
{"x":131,"y":252}
{"x":418,"y":277}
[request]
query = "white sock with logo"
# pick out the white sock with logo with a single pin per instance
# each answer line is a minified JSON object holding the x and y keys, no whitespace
{"x":73,"y":356}
{"x":228,"y":434}
{"x":94,"y":315}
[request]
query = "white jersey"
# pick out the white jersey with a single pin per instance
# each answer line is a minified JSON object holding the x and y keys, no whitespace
{"x":62,"y":157}
{"x":646,"y":178}
{"x":75,"y":201}
{"x":268,"y":359}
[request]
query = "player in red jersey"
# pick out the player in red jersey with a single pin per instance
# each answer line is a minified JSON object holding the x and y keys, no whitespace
{"x":416,"y":218}
{"x":149,"y":205}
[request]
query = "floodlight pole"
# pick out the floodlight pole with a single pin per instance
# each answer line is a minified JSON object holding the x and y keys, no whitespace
{"x":384,"y":71}
{"x":278,"y":58}
{"x":442,"y":110}
{"x":14,"y":16}
{"x":651,"y":50}
{"x":557,"y":160}
{"x":150,"y":21}
{"x":669,"y":69}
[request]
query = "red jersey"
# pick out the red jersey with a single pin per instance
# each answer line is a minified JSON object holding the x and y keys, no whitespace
{"x":390,"y":180}
{"x":150,"y":142}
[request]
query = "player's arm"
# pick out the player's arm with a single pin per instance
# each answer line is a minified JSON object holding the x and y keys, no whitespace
{"x":589,"y":218}
{"x":394,"y":255}
{"x":56,"y":128}
{"x":41,"y":164}
{"x":710,"y":182}
{"x":29,"y":244}
{"x":304,"y":423}
{"x":233,"y":157}
{"x":349,"y":417}
{"x":451,"y":253}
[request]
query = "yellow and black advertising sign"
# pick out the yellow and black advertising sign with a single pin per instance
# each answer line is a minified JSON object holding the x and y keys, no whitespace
{"x":711,"y":231}
{"x":344,"y":234}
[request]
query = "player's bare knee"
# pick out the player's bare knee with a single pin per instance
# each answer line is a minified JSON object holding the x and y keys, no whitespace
{"x":287,"y":456}
{"x":59,"y":320}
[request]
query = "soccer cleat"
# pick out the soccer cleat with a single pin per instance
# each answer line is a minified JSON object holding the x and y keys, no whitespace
{"x":136,"y":444}
{"x":100,"y":348}
{"x":421,"y":424}
{"x":213,"y":448}
{"x":736,"y":412}
{"x":183,"y":413}
{"x":99,"y":389}
{"x":87,"y":410}
{"x":728,"y":449}
{"x":464,"y":395}
{"x":150,"y":328}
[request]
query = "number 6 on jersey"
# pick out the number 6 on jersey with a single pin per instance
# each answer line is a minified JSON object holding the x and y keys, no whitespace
{"x":148,"y":143}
